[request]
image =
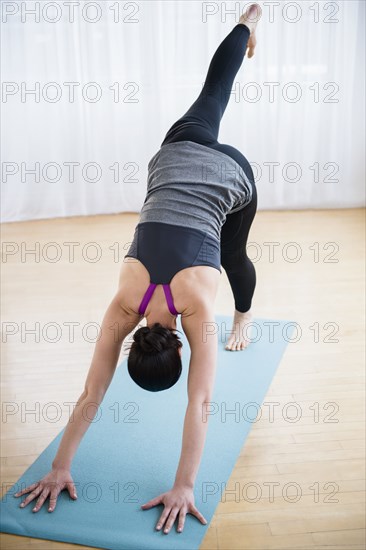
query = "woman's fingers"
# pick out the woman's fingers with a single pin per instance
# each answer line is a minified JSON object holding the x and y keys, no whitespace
{"x":41,"y":499}
{"x":173,"y":508}
{"x":182,"y":518}
{"x":198,"y":514}
{"x":53,"y":500}
{"x":49,"y":486}
{"x":31,"y":496}
{"x":163,"y":517}
{"x":152,"y":502}
{"x":71,"y":489}
{"x":171,"y":519}
{"x":27,"y":489}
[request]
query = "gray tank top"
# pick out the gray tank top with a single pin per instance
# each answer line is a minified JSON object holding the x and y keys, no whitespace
{"x":192,"y":185}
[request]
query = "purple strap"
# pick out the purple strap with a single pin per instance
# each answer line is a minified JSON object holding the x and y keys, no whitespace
{"x":169,"y":299}
{"x":146,"y":298}
{"x":150,"y":292}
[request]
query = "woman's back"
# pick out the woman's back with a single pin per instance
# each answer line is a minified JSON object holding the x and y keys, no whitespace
{"x":190,"y":190}
{"x":192,"y":185}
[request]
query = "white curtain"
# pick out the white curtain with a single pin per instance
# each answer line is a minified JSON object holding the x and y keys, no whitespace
{"x":89,"y":90}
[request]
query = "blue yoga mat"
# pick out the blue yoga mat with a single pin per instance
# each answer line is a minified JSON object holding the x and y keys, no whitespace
{"x":130,"y":454}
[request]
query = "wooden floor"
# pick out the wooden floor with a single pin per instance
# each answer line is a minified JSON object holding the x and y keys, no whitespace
{"x":319,"y":457}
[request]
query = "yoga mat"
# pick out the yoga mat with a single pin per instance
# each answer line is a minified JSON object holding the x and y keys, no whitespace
{"x":130,"y":454}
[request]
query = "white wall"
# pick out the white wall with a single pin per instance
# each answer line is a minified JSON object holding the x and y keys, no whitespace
{"x":159,"y":53}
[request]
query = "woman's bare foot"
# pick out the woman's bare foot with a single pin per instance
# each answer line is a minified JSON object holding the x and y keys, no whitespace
{"x":250,"y":18}
{"x":240,"y":333}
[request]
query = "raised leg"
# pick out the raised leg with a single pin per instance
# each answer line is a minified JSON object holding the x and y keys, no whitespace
{"x":201,"y":123}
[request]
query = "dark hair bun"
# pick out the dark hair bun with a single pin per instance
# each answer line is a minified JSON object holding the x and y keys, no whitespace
{"x":156,"y":338}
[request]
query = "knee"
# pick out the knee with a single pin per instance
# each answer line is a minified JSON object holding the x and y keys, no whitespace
{"x":236,"y":261}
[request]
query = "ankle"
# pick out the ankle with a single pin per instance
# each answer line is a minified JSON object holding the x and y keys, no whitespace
{"x":243,"y":313}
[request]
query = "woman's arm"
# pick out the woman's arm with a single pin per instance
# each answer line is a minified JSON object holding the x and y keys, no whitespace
{"x":200,"y":329}
{"x":116,"y":325}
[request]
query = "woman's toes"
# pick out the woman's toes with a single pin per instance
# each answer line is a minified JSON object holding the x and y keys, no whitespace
{"x":230,"y":346}
{"x":254,"y":13}
{"x":236,"y":345}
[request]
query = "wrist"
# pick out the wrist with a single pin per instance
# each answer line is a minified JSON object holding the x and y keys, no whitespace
{"x":58,"y":466}
{"x":188,"y":486}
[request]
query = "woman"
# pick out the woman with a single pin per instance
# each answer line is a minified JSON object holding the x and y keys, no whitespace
{"x":200,"y":204}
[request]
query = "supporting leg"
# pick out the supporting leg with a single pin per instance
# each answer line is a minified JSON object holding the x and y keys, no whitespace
{"x":239,"y":269}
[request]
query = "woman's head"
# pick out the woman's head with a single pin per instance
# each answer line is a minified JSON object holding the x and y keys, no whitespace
{"x":154,"y":361}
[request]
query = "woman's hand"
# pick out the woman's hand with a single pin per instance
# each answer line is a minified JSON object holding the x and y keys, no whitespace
{"x":179,"y":500}
{"x":52,"y":484}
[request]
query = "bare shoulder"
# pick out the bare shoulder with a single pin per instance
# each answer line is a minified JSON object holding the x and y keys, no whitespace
{"x":194,"y":290}
{"x":133,"y":281}
{"x":198,"y":322}
{"x":191,"y":287}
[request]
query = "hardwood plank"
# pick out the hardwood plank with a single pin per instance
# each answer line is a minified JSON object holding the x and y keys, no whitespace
{"x":310,"y":372}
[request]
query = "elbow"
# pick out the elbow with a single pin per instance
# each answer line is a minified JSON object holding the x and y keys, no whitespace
{"x":92,"y":395}
{"x":202,"y":407}
{"x":200,"y":399}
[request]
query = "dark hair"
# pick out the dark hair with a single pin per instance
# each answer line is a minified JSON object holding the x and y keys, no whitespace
{"x":154,"y":361}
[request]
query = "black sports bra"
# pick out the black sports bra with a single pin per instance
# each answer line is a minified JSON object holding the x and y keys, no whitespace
{"x":164,"y":249}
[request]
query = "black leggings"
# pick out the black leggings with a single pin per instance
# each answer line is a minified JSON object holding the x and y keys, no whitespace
{"x":201,"y":124}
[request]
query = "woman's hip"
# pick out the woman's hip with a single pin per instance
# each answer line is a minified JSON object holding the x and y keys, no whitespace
{"x":236,"y":155}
